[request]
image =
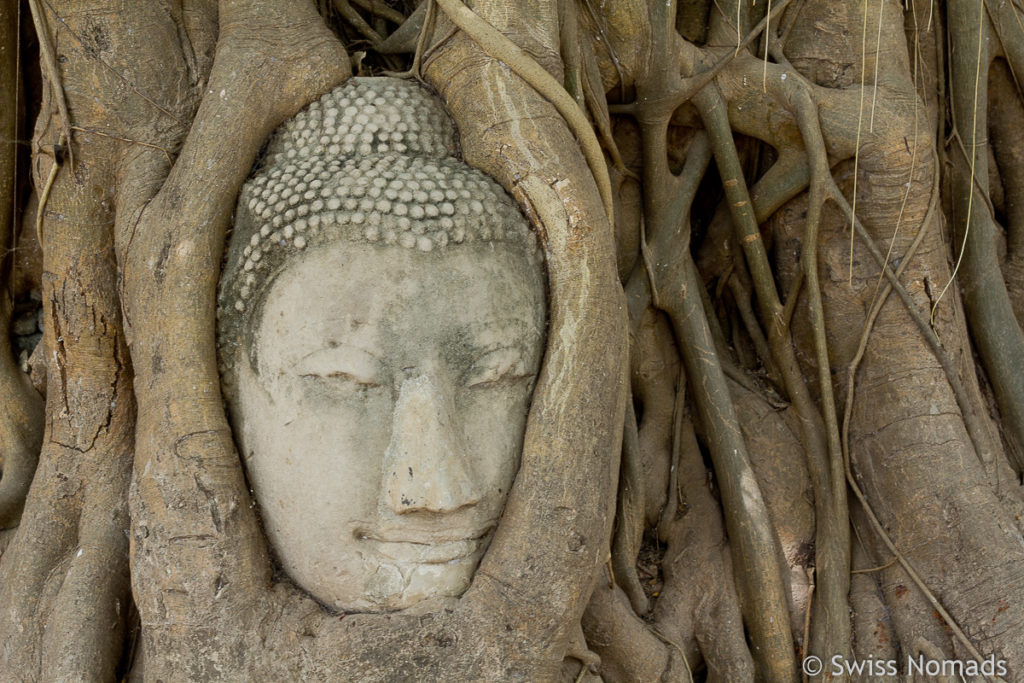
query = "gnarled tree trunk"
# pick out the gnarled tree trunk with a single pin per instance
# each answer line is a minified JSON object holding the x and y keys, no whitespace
{"x":761,"y":439}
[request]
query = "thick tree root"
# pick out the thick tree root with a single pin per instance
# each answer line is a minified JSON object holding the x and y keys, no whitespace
{"x":998,"y":336}
{"x":193,"y":526}
{"x":698,"y":607}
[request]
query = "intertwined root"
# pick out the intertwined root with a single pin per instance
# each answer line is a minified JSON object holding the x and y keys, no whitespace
{"x":800,"y":319}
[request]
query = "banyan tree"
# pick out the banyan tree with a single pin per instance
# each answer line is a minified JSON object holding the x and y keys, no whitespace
{"x":539,"y":340}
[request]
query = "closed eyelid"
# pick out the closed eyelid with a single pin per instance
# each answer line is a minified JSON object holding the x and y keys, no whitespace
{"x":343,"y":359}
{"x":498,"y":363}
{"x":500,"y":351}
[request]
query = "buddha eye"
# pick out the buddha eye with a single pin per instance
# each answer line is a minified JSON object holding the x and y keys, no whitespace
{"x":341,"y":365}
{"x":500,"y":366}
{"x":341,"y":377}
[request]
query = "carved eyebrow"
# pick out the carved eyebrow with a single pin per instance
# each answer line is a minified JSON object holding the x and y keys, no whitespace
{"x":334,"y":344}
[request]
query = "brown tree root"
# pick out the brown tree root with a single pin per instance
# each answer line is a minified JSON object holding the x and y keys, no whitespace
{"x":629,"y":516}
{"x":1006,"y":112}
{"x":820,"y":435}
{"x":698,"y":606}
{"x":5,"y":537}
{"x":64,"y":578}
{"x":675,"y":278}
{"x":655,"y":365}
{"x":773,"y":437}
{"x":495,"y":44}
{"x":891,"y":455}
{"x":848,"y":411}
{"x":194,"y":531}
{"x":64,"y":581}
{"x":998,"y":336}
{"x":874,"y":635}
{"x":628,"y":649}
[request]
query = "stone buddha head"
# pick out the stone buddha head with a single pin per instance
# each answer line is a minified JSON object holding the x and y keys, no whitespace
{"x":382,"y":319}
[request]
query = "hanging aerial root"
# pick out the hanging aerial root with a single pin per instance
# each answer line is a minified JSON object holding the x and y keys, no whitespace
{"x":630,"y":515}
{"x":998,"y":336}
{"x":699,"y":606}
{"x":823,"y":455}
{"x":48,"y":57}
{"x":752,"y":537}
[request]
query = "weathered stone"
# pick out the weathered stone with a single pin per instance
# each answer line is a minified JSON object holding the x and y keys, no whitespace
{"x":381,"y":327}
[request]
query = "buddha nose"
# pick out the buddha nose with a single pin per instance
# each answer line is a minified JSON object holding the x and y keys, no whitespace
{"x":426,"y":465}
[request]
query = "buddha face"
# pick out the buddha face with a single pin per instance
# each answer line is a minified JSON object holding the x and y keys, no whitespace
{"x":383,"y":426}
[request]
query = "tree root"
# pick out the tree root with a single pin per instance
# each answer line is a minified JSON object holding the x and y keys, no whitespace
{"x":847,"y":454}
{"x":873,"y":628}
{"x":495,"y":44}
{"x":998,"y":336}
{"x":629,"y":650}
{"x":68,"y":564}
{"x":1007,"y":117}
{"x":409,"y":33}
{"x":666,"y":203}
{"x":698,"y":555}
{"x":271,"y":60}
{"x":833,"y":634}
{"x":655,"y":365}
{"x":752,"y":540}
{"x":773,"y":439}
{"x":629,"y":515}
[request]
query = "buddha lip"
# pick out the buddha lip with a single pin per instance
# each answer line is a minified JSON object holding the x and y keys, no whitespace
{"x":427,"y":548}
{"x":428,"y":553}
{"x":425,"y":538}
